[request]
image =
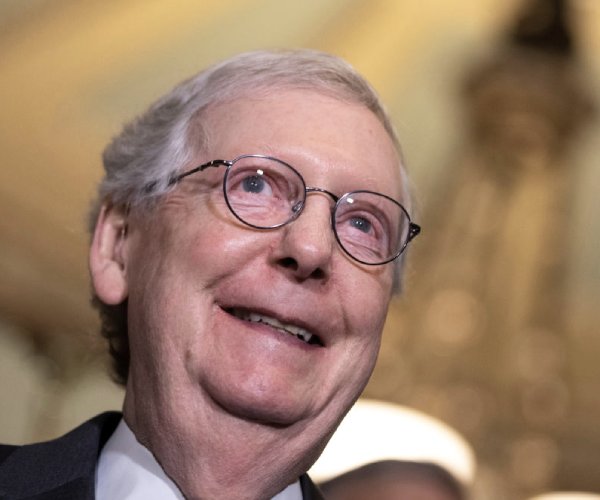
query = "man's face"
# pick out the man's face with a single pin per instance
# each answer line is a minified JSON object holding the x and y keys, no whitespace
{"x":194,"y":274}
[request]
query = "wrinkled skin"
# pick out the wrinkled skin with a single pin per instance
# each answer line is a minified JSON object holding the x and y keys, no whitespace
{"x":212,"y":395}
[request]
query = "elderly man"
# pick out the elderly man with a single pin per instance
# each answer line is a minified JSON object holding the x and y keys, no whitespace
{"x":246,"y":244}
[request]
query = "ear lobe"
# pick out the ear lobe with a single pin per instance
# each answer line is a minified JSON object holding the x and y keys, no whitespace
{"x":107,"y":258}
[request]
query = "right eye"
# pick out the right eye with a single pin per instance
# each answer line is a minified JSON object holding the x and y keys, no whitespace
{"x":252,"y":182}
{"x":262,"y":191}
{"x":256,"y":184}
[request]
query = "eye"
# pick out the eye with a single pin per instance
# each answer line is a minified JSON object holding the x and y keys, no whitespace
{"x":252,"y":181}
{"x":263,"y":192}
{"x":361,"y":224}
{"x":370,"y":226}
{"x":255,"y":184}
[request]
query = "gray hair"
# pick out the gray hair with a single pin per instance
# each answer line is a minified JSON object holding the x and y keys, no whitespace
{"x":170,"y":134}
{"x":154,"y":146}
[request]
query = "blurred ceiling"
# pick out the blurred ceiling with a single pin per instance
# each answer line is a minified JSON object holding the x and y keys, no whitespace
{"x":73,"y":72}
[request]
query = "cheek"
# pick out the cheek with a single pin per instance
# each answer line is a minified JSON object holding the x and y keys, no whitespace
{"x":197,"y":252}
{"x":214,"y":240}
{"x":175,"y":270}
{"x":368,"y":297}
{"x":367,"y":309}
{"x":370,"y":310}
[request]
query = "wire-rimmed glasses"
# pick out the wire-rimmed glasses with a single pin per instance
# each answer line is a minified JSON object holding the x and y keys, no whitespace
{"x":266,"y":193}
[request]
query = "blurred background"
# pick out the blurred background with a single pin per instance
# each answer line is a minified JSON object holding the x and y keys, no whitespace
{"x":497,"y":331}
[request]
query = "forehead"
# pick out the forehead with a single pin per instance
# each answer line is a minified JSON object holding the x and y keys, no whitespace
{"x":335,"y":144}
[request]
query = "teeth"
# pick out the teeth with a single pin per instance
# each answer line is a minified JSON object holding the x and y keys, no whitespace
{"x":301,"y":333}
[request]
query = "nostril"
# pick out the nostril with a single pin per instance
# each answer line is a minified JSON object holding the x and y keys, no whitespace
{"x":318,"y":273}
{"x":289,"y":263}
{"x":292,"y":264}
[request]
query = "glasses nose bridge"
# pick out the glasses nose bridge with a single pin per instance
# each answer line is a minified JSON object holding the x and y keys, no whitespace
{"x":309,"y":190}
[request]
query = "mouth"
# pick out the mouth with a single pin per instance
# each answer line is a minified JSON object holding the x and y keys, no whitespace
{"x":285,"y":328}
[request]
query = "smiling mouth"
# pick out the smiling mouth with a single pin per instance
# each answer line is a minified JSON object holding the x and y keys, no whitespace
{"x":296,"y":331}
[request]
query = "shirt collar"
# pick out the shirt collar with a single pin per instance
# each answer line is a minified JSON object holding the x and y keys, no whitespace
{"x":127,"y":469}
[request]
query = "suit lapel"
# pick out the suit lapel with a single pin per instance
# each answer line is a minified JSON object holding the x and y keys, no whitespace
{"x":309,"y":489}
{"x":58,"y":469}
{"x":66,"y":467}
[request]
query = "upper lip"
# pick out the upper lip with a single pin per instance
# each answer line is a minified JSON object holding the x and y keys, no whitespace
{"x":310,"y":326}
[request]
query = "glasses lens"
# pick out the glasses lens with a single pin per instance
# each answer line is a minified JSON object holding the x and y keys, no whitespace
{"x":263,"y":192}
{"x":371,"y":227}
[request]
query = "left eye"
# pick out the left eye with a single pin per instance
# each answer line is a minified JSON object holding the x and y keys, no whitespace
{"x":361,"y":224}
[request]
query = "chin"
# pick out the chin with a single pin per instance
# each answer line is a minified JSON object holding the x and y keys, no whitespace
{"x":266,"y":408}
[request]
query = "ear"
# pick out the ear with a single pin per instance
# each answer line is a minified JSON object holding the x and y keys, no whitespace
{"x":107,"y":255}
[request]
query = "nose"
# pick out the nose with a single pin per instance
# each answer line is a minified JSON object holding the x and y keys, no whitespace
{"x":307,"y":244}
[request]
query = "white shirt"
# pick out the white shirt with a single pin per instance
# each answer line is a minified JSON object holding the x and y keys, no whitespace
{"x":127,"y":470}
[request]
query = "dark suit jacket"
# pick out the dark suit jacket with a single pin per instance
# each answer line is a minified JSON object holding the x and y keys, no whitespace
{"x":65,"y":468}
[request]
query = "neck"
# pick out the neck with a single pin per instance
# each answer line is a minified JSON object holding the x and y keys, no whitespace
{"x":222,"y":456}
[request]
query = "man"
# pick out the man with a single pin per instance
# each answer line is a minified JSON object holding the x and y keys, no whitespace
{"x":242,"y":291}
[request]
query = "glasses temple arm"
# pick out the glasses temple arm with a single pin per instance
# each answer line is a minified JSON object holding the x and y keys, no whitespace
{"x":413,"y":231}
{"x":201,"y":168}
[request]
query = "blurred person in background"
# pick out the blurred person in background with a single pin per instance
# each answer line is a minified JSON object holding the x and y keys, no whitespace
{"x":394,"y":480}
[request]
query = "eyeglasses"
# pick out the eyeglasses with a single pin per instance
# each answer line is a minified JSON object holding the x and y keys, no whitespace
{"x":266,"y":193}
